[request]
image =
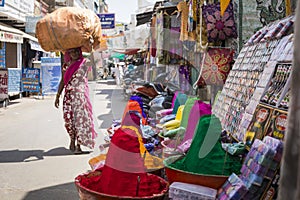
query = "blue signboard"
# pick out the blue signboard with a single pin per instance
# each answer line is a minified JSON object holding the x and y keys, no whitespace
{"x":31,"y":80}
{"x":14,"y":80}
{"x":107,"y":20}
{"x":3,"y":84}
{"x":51,"y":74}
{"x":2,"y":56}
{"x":1,"y":3}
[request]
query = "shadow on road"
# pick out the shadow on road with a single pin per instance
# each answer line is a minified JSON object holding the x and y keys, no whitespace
{"x":9,"y":103}
{"x":17,"y":155}
{"x":20,"y":156}
{"x":63,"y":191}
{"x":107,"y":120}
{"x":108,"y":82}
{"x":112,"y":94}
{"x":116,"y":106}
{"x":107,"y":92}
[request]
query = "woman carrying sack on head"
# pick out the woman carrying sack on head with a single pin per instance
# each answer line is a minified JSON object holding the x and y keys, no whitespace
{"x":77,"y":107}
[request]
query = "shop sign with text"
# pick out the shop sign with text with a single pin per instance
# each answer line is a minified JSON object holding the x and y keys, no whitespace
{"x":3,"y":84}
{"x":10,"y":37}
{"x":31,"y":80}
{"x":107,"y":20}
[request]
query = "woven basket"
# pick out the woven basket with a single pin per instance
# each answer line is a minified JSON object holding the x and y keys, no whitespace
{"x":88,"y":194}
{"x":176,"y":175}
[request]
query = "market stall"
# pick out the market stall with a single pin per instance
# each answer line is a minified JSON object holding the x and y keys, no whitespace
{"x":195,"y":44}
{"x":241,"y":140}
{"x":254,"y":101}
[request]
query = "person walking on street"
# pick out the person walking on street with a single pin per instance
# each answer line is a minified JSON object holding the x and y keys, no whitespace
{"x":117,"y":74}
{"x":105,"y":73}
{"x":77,"y":108}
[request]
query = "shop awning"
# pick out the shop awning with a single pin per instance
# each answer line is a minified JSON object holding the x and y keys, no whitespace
{"x":9,"y":34}
{"x":13,"y":35}
{"x":34,"y":43}
{"x":126,"y":51}
{"x":25,"y":35}
{"x":143,"y":18}
{"x":35,"y":46}
{"x":118,"y":55}
{"x":6,"y":28}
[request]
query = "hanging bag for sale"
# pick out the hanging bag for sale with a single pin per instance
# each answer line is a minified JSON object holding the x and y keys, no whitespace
{"x":215,"y":67}
{"x":219,"y":27}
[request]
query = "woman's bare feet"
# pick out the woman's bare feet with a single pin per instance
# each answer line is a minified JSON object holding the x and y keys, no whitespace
{"x":72,"y":145}
{"x":78,"y":149}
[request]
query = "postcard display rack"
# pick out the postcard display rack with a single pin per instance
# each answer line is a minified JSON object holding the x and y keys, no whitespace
{"x":254,"y":100}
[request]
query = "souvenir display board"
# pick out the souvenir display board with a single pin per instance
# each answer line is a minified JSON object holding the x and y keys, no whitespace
{"x":258,"y":169}
{"x":241,"y":84}
{"x":277,"y":88}
{"x":258,"y":110}
{"x":236,"y":94}
{"x":259,"y":123}
{"x":276,"y":129}
{"x":259,"y":75}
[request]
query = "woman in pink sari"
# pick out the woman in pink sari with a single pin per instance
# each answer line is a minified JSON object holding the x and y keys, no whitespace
{"x":77,"y":107}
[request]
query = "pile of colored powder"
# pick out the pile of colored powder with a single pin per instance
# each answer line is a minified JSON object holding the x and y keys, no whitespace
{"x":206,"y":155}
{"x":124,"y":172}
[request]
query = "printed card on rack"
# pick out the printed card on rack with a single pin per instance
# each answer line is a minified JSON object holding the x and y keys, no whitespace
{"x":258,"y":124}
{"x":245,"y":122}
{"x":267,"y":74}
{"x":285,"y":52}
{"x":252,"y":106}
{"x":278,"y":125}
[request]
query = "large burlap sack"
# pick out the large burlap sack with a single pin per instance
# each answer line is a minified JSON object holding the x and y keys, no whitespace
{"x":70,"y":27}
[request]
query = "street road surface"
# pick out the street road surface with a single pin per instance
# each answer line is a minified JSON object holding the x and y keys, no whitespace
{"x":35,"y":163}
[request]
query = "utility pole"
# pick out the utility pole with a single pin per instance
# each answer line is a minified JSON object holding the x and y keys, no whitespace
{"x":240,"y":26}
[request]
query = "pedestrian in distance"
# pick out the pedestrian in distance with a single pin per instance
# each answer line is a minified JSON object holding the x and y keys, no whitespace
{"x":105,"y":73}
{"x":77,"y":108}
{"x":117,"y":74}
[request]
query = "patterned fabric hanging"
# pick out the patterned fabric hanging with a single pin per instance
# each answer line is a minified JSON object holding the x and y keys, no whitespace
{"x":216,"y":66}
{"x":184,"y":78}
{"x":183,"y":8}
{"x":219,"y":27}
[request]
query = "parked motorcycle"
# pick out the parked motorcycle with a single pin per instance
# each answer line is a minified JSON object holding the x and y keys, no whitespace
{"x":132,"y":79}
{"x":163,"y":100}
{"x":136,"y":73}
{"x":129,"y":86}
{"x":155,"y":95}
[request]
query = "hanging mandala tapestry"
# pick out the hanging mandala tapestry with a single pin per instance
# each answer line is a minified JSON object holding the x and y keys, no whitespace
{"x":216,"y":66}
{"x":219,"y":27}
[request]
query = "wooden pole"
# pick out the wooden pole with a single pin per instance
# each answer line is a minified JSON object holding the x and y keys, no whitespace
{"x":289,"y":186}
